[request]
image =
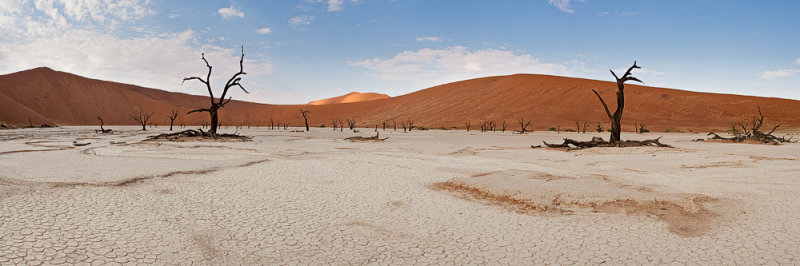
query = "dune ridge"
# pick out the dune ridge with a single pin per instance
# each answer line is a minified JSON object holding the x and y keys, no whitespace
{"x":46,"y":95}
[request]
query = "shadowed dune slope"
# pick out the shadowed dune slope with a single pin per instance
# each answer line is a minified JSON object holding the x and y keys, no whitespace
{"x":45,"y":95}
{"x":351,"y":98}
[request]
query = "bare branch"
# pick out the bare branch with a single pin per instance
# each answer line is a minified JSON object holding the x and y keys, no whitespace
{"x":198,"y":110}
{"x":604,"y":104}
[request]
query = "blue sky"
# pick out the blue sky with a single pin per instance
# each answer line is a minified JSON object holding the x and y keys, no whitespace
{"x":304,"y":50}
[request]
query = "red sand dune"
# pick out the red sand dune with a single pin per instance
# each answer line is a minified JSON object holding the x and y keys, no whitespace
{"x":45,"y":95}
{"x":351,"y":98}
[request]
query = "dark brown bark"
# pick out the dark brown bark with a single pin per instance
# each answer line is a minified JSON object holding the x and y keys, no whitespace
{"x":172,"y":116}
{"x":570,"y":144}
{"x":141,"y":118}
{"x":752,"y":131}
{"x":616,"y":118}
{"x":305,"y":117}
{"x":213,"y":110}
{"x":523,"y":125}
{"x":102,"y":130}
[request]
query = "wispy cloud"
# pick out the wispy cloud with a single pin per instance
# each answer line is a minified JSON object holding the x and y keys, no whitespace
{"x":798,"y":61}
{"x":429,"y":39}
{"x":436,"y":66}
{"x":299,"y":21}
{"x":264,"y":30}
{"x":229,"y":12}
{"x":563,"y":5}
{"x":780,"y":73}
{"x":618,"y":13}
{"x":333,"y":5}
{"x":85,"y":45}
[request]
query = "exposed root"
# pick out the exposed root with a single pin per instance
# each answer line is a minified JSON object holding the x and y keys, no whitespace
{"x":376,"y":138}
{"x":751,"y":132}
{"x":570,"y":144}
{"x":198,"y":135}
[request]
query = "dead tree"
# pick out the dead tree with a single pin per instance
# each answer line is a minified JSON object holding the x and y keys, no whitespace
{"x":395,"y":125}
{"x":384,"y":125}
{"x":639,"y":128}
{"x":335,"y":124}
{"x":102,"y":130}
{"x":404,"y":125}
{"x":523,"y":124}
{"x":585,"y":124}
{"x":410,"y":124}
{"x":616,"y":118}
{"x":172,"y":116}
{"x":599,"y":142}
{"x":213,"y":110}
{"x":305,"y":117}
{"x":504,"y":126}
{"x":467,"y":125}
{"x":141,"y":118}
{"x":577,"y":126}
{"x":752,"y":131}
{"x":351,"y":123}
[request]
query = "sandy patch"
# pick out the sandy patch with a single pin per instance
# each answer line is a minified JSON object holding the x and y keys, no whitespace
{"x":538,"y":192}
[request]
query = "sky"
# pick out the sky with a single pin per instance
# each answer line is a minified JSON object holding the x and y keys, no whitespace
{"x":298,"y":51}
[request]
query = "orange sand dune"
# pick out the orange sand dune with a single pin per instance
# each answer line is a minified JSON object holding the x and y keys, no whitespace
{"x":351,"y":98}
{"x":45,"y":95}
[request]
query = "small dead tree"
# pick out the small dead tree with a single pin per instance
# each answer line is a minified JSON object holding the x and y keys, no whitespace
{"x":616,"y":118}
{"x":395,"y":125}
{"x":141,"y":118}
{"x":467,"y":125}
{"x":305,"y":117}
{"x":523,"y":124}
{"x":172,"y":115}
{"x":213,"y":110}
{"x":410,"y":124}
{"x":335,"y":124}
{"x":752,"y":131}
{"x":404,"y":125}
{"x":585,"y":124}
{"x":351,"y":123}
{"x":384,"y":125}
{"x":503,"y":129}
{"x":639,"y":128}
{"x":102,"y":130}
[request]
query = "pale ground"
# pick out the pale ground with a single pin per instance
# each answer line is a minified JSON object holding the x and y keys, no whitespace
{"x":299,"y":198}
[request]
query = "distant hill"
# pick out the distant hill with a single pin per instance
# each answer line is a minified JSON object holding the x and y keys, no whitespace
{"x":44,"y":95}
{"x":351,"y":98}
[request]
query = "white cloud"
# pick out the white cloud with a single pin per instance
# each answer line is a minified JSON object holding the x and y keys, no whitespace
{"x":49,"y":33}
{"x":229,"y":12}
{"x":436,"y":66}
{"x":335,"y":5}
{"x":301,"y":20}
{"x":798,"y":61}
{"x":11,"y":6}
{"x":429,"y":39}
{"x":264,"y":30}
{"x":563,"y":5}
{"x":780,"y":73}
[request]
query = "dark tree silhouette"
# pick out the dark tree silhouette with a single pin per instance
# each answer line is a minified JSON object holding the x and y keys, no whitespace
{"x":102,"y":130}
{"x":213,"y":110}
{"x":172,"y":115}
{"x":351,"y":123}
{"x":305,"y":117}
{"x":523,"y":124}
{"x":752,"y":131}
{"x":616,"y":118}
{"x":141,"y":117}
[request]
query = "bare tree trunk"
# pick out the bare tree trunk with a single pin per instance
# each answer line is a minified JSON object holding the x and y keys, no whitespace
{"x":305,"y":117}
{"x":616,"y":118}
{"x":216,"y":105}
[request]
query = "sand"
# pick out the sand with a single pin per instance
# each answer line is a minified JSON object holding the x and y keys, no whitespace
{"x":48,"y":96}
{"x":315,"y":198}
{"x":351,"y":98}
